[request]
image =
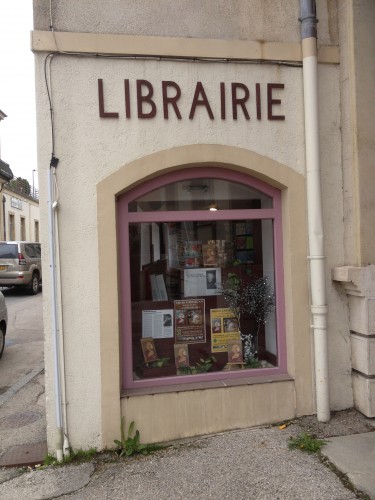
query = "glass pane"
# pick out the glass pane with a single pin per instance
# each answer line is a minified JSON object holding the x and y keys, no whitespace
{"x":202,"y":297}
{"x":201,"y":194}
{"x":8,"y":251}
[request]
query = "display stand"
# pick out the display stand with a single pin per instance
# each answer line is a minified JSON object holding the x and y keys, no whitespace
{"x":238,"y":365}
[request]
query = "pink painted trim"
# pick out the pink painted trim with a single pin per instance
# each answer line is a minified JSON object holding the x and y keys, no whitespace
{"x":206,"y":377}
{"x":197,"y":173}
{"x":201,"y":215}
{"x":125,"y":301}
{"x":124,"y":217}
{"x":279,"y":286}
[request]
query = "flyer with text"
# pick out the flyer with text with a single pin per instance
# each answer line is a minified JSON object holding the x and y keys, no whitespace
{"x":224,"y":328}
{"x":189,"y":323}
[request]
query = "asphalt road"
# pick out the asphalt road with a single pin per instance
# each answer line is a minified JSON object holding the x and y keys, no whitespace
{"x":24,"y":339}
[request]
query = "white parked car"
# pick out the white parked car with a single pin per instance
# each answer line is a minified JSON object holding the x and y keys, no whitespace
{"x":3,"y":322}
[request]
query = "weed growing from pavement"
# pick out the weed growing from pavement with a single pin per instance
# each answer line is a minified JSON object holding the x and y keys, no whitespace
{"x":78,"y":456}
{"x":130,"y":443}
{"x":307,"y":443}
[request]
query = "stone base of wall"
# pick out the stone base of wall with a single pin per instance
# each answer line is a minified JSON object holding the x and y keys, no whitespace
{"x":363,"y":353}
{"x":359,"y":284}
{"x":364,"y":394}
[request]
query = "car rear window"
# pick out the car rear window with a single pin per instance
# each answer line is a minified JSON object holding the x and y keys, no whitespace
{"x":8,"y":251}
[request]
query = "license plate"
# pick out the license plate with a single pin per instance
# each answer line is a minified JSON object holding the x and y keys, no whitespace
{"x":3,"y":268}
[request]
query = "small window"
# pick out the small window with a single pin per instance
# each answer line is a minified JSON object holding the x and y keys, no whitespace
{"x":201,"y":279}
{"x":12,"y":229}
{"x":36,"y":230}
{"x":23,"y":228}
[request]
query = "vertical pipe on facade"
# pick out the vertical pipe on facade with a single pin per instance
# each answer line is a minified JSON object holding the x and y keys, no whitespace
{"x":66,"y":444}
{"x":4,"y":218}
{"x":54,"y":319}
{"x":319,"y":308}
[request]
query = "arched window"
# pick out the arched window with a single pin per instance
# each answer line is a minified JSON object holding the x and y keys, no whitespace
{"x":201,"y":279}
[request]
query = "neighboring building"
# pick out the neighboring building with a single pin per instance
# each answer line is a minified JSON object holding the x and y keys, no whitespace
{"x":21,"y":212}
{"x":187,"y":154}
{"x":5,"y":176}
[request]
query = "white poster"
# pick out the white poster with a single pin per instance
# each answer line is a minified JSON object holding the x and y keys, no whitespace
{"x":202,"y":281}
{"x":157,"y":324}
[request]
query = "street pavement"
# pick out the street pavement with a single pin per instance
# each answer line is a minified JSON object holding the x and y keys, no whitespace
{"x":253,"y":463}
{"x":24,"y":340}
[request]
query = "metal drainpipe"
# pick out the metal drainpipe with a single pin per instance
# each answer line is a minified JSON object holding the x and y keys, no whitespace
{"x":319,"y":309}
{"x":54,"y":319}
{"x":4,"y":217}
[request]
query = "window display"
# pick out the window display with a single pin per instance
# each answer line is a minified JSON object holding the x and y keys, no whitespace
{"x":203,"y":294}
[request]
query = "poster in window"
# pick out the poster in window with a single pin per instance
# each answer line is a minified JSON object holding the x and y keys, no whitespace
{"x":157,"y":324}
{"x":181,"y":355}
{"x":216,"y":253}
{"x":224,"y":328}
{"x":235,"y":356}
{"x":201,"y":281}
{"x":148,"y":349}
{"x":189,"y":325}
{"x":210,"y":256}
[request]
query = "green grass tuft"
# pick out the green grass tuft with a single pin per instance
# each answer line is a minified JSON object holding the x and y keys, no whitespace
{"x":307,"y":443}
{"x":78,"y":456}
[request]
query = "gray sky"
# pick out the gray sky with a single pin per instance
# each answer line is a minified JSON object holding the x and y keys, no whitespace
{"x":17,"y":89}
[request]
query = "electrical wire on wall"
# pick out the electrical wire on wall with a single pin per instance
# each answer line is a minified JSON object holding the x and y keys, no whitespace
{"x":62,"y":442}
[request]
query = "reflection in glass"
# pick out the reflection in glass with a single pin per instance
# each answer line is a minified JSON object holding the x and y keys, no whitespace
{"x":201,"y":194}
{"x":178,"y":271}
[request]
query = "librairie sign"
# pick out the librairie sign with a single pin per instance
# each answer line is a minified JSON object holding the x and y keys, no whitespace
{"x":242,"y":99}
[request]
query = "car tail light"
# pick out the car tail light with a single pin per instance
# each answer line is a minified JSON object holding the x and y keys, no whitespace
{"x":21,"y":260}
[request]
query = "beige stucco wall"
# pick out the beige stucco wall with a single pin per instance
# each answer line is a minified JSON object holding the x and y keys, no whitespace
{"x":332,"y":181}
{"x":270,"y":20}
{"x":101,"y":157}
{"x":193,"y":413}
{"x":357,"y":33}
{"x":357,"y":77}
{"x":298,"y":395}
{"x":364,"y":20}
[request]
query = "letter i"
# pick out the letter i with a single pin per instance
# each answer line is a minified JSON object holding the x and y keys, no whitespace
{"x":127,"y":98}
{"x":257,"y":92}
{"x":222,"y":99}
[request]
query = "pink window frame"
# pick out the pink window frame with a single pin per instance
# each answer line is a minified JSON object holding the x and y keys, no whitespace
{"x":125,"y":217}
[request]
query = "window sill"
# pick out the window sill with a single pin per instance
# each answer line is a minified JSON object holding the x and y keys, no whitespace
{"x":198,"y":386}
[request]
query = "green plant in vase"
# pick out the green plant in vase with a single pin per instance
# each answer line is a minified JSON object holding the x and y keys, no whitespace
{"x":252,"y":297}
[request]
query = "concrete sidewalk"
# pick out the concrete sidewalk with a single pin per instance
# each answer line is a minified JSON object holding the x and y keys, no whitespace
{"x":23,"y":422}
{"x":245,"y":464}
{"x":354,"y":455}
